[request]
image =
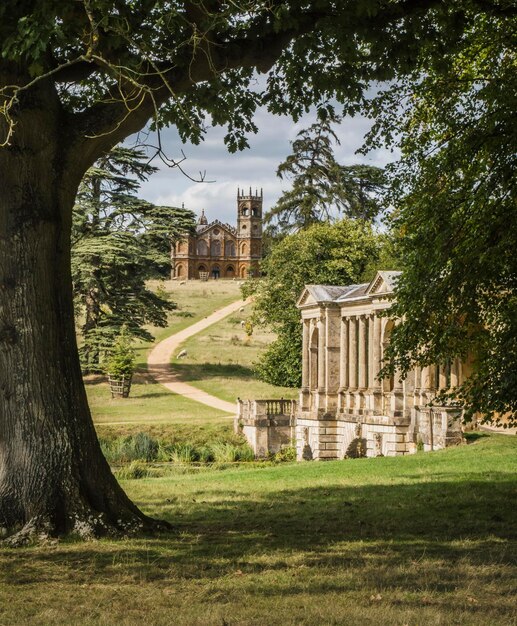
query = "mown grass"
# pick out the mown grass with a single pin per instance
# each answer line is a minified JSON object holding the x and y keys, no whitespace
{"x":220,"y":361}
{"x":148,"y":403}
{"x":426,"y":539}
{"x":195,"y":300}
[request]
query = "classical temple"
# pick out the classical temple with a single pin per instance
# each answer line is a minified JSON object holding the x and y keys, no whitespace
{"x":344,"y":409}
{"x":218,"y":250}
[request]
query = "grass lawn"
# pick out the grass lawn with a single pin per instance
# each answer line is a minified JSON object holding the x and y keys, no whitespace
{"x":417,"y":540}
{"x":219,"y":361}
{"x":151,"y":404}
{"x":147,"y":403}
{"x":195,"y":300}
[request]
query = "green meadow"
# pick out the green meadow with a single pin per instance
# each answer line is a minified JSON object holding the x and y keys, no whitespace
{"x":417,"y":540}
{"x":220,"y":361}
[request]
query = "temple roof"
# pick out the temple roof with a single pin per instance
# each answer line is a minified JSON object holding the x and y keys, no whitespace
{"x":383,"y":283}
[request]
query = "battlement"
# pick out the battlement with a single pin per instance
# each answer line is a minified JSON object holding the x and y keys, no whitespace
{"x":241,"y":195}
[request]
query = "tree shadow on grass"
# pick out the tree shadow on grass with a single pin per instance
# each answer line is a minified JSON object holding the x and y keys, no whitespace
{"x":380,"y":528}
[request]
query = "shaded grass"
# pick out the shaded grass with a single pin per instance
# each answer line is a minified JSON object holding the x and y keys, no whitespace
{"x":426,"y":539}
{"x":220,"y":361}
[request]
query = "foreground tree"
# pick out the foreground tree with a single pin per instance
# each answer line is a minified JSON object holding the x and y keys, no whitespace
{"x":322,"y":189}
{"x":330,"y":254}
{"x":455,"y":189}
{"x":75,"y":79}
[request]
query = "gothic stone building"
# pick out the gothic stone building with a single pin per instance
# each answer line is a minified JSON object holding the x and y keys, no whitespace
{"x":344,"y":410}
{"x":219,"y":250}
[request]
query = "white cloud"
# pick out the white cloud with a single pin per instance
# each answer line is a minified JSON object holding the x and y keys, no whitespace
{"x":255,"y":167}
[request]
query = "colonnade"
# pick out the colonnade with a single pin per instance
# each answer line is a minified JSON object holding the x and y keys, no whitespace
{"x":342,"y":356}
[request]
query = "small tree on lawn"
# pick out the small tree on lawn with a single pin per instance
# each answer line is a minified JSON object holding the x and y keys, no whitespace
{"x":121,"y":365}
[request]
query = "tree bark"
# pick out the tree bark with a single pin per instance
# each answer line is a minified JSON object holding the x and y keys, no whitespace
{"x":53,"y":477}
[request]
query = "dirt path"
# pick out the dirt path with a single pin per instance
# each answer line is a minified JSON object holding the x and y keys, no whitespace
{"x":159,"y":359}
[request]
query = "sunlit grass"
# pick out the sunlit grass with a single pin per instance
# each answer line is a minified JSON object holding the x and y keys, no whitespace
{"x":220,"y":361}
{"x":424,"y":539}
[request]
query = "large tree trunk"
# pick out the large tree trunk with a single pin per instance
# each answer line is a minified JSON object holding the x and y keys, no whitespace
{"x":53,"y":476}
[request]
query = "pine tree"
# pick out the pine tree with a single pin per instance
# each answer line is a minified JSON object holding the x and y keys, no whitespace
{"x":119,"y":242}
{"x":321,"y":187}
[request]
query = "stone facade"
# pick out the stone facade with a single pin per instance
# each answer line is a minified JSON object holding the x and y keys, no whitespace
{"x":344,"y":410}
{"x":220,"y":250}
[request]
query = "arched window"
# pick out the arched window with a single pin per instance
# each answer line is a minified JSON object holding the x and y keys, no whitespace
{"x":244,"y":249}
{"x":180,"y":272}
{"x":245,"y":211}
{"x":215,"y":248}
{"x":230,"y":248}
{"x":255,"y":211}
{"x":230,"y":271}
{"x":202,"y":248}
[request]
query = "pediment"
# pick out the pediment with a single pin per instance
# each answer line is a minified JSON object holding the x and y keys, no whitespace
{"x":216,"y":225}
{"x":306,"y":298}
{"x":384,"y":282}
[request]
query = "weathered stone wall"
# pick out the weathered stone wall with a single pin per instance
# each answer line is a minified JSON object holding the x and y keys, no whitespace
{"x":268,"y":425}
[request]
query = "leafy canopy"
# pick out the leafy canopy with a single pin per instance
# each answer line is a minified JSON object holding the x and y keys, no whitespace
{"x":115,"y":64}
{"x":455,"y":189}
{"x":118,"y":243}
{"x":330,"y":254}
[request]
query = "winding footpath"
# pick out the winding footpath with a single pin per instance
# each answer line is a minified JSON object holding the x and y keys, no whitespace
{"x":159,"y":360}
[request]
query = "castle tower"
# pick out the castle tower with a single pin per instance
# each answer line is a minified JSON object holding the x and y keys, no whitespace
{"x":249,"y":232}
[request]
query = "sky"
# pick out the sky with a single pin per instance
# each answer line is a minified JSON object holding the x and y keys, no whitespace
{"x":255,"y":167}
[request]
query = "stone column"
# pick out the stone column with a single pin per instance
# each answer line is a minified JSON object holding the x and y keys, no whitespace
{"x":417,"y":376}
{"x":425,"y":385}
{"x":305,"y":354}
{"x":376,"y":351}
{"x":304,"y":392}
{"x":343,"y":363}
{"x":321,"y":360}
{"x":362,"y":373}
{"x":352,"y":358}
{"x":442,"y":378}
{"x":332,"y":357}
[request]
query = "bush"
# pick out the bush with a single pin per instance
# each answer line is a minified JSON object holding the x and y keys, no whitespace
{"x":139,"y":447}
{"x":280,"y":364}
{"x":121,"y":362}
{"x":133,"y":471}
{"x":287,"y":454}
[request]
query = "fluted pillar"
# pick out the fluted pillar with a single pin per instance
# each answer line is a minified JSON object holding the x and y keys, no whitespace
{"x":362,"y":368}
{"x":321,"y":353}
{"x":332,"y":360}
{"x":352,"y":360}
{"x":426,"y":384}
{"x":304,"y":392}
{"x":343,"y":363}
{"x":362,"y":356}
{"x":305,"y":354}
{"x":376,"y":352}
